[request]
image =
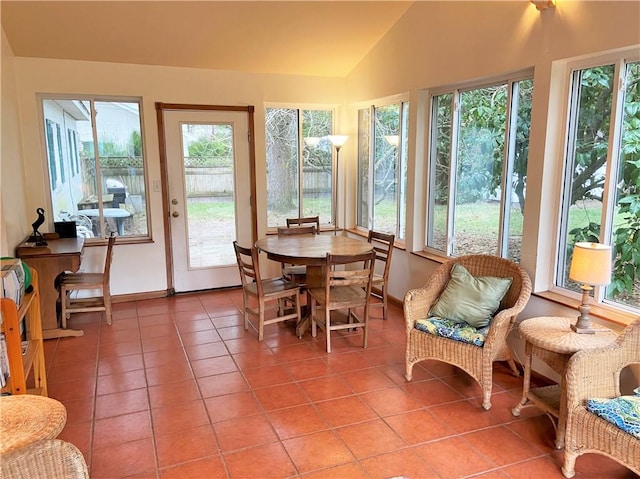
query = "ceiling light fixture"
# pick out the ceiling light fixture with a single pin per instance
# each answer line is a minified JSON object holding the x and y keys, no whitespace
{"x":543,"y":4}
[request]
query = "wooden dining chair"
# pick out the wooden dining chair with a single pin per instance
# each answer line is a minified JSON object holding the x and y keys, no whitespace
{"x":307,"y":220}
{"x":81,"y":281}
{"x":347,"y":286}
{"x":264,"y":292}
{"x":383,"y":246}
{"x":295,"y":272}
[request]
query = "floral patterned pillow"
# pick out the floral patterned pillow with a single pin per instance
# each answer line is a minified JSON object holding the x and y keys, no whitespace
{"x":622,"y":411}
{"x":451,"y":329}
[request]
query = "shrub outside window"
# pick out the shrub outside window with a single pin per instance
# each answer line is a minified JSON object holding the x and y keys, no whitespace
{"x":601,"y":196}
{"x":478,"y":151}
{"x":382,"y":168}
{"x":96,"y":165}
{"x":299,"y":164}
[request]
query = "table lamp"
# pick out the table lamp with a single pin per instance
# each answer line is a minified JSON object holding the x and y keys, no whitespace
{"x":590,"y":266}
{"x":337,"y":141}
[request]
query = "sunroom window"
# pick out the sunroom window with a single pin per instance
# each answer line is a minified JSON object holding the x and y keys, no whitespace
{"x":478,"y":151}
{"x":601,"y":198}
{"x":299,"y":164}
{"x":382,"y":168}
{"x":96,"y":165}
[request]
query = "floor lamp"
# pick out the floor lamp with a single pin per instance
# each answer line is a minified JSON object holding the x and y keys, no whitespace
{"x":337,"y":141}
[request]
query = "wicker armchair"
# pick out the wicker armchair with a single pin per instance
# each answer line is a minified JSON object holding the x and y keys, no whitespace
{"x":595,"y":373}
{"x":48,"y":459}
{"x":474,"y":360}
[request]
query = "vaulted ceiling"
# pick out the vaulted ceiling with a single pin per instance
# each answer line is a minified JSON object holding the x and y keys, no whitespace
{"x":320,"y":38}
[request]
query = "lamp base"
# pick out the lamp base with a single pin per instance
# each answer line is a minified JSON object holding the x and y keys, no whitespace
{"x":583,"y":325}
{"x":588,"y":330}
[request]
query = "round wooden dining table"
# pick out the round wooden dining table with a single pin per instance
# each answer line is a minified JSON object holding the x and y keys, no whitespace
{"x":310,"y":250}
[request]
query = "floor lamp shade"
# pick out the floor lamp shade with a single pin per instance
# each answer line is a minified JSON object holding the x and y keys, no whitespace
{"x":590,"y":266}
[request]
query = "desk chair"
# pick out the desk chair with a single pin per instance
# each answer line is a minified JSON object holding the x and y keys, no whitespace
{"x":87,"y":281}
{"x":348,"y":289}
{"x":308,"y":220}
{"x":263,"y":291}
{"x":383,"y":246}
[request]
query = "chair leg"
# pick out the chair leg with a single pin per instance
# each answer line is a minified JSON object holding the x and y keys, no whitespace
{"x":63,"y":306}
{"x":312,"y":315}
{"x":245,"y":310}
{"x":107,"y":305}
{"x":327,"y":327}
{"x":486,"y":396}
{"x":384,"y":303}
{"x":514,"y":369}
{"x":568,"y":468}
{"x":408,"y":372}
{"x":261,"y":320}
{"x":365,"y":335}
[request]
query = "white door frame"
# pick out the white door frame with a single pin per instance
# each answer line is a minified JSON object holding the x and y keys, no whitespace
{"x":160,"y":109}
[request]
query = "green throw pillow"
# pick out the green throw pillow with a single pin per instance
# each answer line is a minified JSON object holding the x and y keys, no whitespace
{"x":469,"y":299}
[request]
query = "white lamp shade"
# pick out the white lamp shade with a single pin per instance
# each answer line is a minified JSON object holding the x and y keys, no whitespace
{"x":591,"y":264}
{"x":338,"y":140}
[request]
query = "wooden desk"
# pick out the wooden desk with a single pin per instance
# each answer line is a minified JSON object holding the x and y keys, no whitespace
{"x":310,"y":250}
{"x":59,"y":255}
{"x":552,"y":340}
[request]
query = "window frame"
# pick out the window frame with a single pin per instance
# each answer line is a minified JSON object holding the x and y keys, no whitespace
{"x":402,"y":185}
{"x":566,"y":153}
{"x":74,"y":163}
{"x":299,"y":108}
{"x":430,"y":134}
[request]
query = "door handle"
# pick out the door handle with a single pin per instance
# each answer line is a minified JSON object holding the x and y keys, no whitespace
{"x":175,"y":214}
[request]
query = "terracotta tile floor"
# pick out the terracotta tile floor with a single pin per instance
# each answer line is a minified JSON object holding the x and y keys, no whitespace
{"x":176,"y":388}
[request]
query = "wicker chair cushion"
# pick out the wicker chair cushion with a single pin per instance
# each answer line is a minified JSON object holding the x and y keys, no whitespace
{"x":622,"y":411}
{"x":470,"y":299}
{"x":448,"y":328}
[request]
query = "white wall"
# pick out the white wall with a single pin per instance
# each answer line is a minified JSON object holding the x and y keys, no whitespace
{"x":14,"y":220}
{"x":440,"y":43}
{"x":141,"y":267}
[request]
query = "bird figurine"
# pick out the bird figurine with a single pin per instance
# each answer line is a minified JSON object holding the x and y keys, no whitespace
{"x":37,"y":236}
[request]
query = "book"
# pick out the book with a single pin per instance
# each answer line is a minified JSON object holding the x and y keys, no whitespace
{"x":4,"y":361}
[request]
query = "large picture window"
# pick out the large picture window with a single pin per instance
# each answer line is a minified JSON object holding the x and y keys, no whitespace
{"x":299,"y":164}
{"x":478,"y":151}
{"x":96,"y":165}
{"x":382,"y":168}
{"x":601,"y":196}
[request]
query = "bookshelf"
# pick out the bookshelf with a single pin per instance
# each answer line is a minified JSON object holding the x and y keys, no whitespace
{"x":30,"y":366}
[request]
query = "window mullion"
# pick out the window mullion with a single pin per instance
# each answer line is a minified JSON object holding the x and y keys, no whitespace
{"x":507,"y":168}
{"x":569,"y":166}
{"x":611,"y":175}
{"x":453,"y":172}
{"x":96,"y":154}
{"x":372,"y":157}
{"x":300,"y":164}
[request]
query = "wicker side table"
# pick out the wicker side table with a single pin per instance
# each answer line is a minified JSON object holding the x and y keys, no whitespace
{"x":26,"y":418}
{"x":551,"y":339}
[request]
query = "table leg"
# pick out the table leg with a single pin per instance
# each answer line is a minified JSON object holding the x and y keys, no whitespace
{"x":526,"y":383}
{"x":120,"y":225}
{"x":562,"y":414}
{"x":315,"y":278}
